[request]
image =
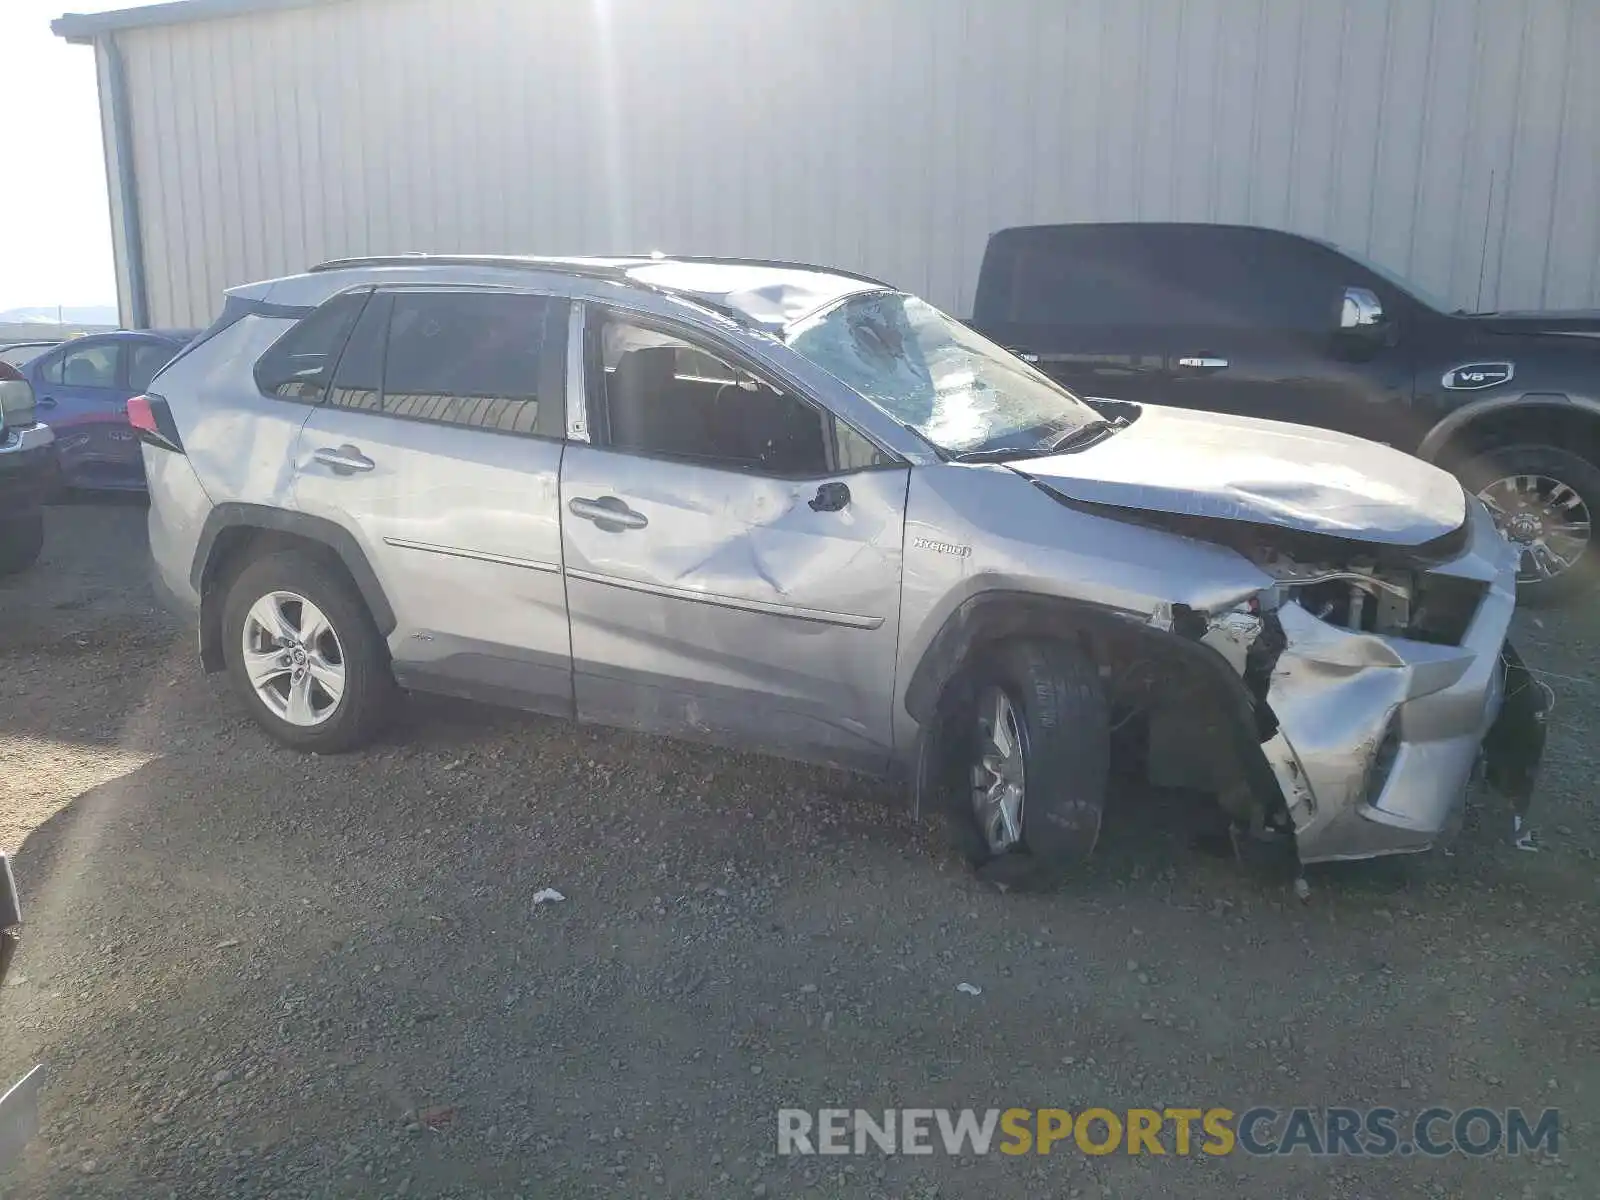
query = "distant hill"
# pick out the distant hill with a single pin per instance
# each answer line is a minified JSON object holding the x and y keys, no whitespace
{"x":86,"y":314}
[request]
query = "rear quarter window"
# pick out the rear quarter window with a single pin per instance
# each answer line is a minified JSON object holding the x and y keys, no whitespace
{"x":299,"y":365}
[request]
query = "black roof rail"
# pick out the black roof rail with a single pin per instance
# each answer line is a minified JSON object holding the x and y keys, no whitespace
{"x":601,"y":266}
{"x":599,"y":269}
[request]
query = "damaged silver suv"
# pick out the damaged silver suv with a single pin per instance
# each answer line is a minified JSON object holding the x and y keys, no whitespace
{"x":795,"y":510}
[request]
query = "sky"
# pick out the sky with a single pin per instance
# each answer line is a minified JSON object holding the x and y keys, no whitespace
{"x":55,"y":226}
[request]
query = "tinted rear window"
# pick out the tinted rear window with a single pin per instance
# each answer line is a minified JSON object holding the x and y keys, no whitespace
{"x":300,"y":363}
{"x":471,"y":358}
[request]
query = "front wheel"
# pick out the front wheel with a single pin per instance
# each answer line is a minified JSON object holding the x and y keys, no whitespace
{"x":1543,"y":500}
{"x":304,"y":654}
{"x":1038,"y":757}
{"x":21,"y":542}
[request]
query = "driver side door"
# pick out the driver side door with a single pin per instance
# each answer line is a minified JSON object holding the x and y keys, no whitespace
{"x":732,"y":552}
{"x":1257,"y":333}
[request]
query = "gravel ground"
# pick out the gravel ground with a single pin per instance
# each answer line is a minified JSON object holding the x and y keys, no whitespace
{"x":253,"y":973}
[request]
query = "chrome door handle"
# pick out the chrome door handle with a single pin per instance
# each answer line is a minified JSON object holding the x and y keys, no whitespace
{"x":345,"y":460}
{"x":1203,"y":363}
{"x":608,"y":512}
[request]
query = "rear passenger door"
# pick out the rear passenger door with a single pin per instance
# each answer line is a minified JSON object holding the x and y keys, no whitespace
{"x":78,"y":397}
{"x":1082,"y":303}
{"x":438,"y":445}
{"x":732,"y":551}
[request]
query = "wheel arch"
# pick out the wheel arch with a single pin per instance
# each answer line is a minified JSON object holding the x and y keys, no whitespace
{"x":1107,"y":637}
{"x":1569,"y":422}
{"x":235,"y":534}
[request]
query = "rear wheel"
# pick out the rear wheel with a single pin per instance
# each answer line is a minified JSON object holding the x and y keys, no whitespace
{"x":304,"y":654}
{"x":1037,"y":756}
{"x":21,"y":542}
{"x":1543,"y":500}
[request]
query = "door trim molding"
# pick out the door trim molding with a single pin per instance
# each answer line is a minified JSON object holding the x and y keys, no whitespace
{"x":505,"y":560}
{"x":818,"y":615}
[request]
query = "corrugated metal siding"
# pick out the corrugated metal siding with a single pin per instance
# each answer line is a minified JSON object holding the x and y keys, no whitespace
{"x":1455,"y":141}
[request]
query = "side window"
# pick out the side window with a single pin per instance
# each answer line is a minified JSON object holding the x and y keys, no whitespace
{"x":1096,"y":278}
{"x":855,"y":452}
{"x":299,"y":364}
{"x":92,"y":366}
{"x":1248,"y":278}
{"x":358,"y":380}
{"x":486,"y":360}
{"x":144,"y":360}
{"x":658,"y":393}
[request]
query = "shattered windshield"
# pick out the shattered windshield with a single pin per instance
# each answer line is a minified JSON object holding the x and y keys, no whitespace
{"x":930,"y":372}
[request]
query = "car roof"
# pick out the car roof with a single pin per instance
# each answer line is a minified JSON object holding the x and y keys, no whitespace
{"x":765,"y":292}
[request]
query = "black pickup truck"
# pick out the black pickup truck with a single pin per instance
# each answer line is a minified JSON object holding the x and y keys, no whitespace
{"x":1271,"y":324}
{"x":27,"y":472}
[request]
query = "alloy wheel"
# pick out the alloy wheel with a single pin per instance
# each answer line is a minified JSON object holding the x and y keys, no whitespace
{"x":1545,"y":519}
{"x":293,"y":658}
{"x":999,"y":779}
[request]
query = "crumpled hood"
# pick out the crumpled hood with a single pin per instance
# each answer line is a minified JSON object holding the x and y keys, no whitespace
{"x":1267,"y":472}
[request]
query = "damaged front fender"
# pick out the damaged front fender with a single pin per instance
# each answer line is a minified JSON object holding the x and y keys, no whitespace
{"x":1376,"y":738}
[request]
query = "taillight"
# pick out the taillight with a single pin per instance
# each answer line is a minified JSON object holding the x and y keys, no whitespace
{"x":151,"y":418}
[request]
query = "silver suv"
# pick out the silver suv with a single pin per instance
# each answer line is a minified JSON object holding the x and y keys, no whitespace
{"x":796,"y":510}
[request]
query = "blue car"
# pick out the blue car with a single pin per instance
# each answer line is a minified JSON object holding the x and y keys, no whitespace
{"x":82,"y":388}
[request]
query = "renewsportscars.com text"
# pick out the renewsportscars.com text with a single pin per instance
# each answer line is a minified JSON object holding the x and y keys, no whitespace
{"x":1318,"y":1132}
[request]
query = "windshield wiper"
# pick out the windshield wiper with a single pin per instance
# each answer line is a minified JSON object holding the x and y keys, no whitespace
{"x":1083,"y":435}
{"x":1073,"y":439}
{"x":1002,"y":454}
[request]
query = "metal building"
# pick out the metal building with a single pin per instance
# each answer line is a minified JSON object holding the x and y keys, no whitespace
{"x":1455,"y":141}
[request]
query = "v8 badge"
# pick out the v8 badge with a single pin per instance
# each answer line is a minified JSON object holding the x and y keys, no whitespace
{"x":1470,"y":376}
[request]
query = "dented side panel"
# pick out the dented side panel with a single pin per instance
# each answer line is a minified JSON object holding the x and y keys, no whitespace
{"x":979,"y":528}
{"x":736,"y":611}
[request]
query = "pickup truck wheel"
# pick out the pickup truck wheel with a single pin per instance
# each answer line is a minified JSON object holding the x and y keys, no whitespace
{"x":304,"y":655}
{"x":1038,"y":760}
{"x":1543,"y":500}
{"x":21,"y":541}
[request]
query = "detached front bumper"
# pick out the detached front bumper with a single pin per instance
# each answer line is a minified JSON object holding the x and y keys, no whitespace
{"x":1378,"y":737}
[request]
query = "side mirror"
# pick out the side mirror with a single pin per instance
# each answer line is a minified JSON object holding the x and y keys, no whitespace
{"x":1361,"y":311}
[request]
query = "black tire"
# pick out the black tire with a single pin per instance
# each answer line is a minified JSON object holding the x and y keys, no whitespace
{"x":1578,"y":473}
{"x":1062,"y":717}
{"x":21,"y":542}
{"x":367,"y":700}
